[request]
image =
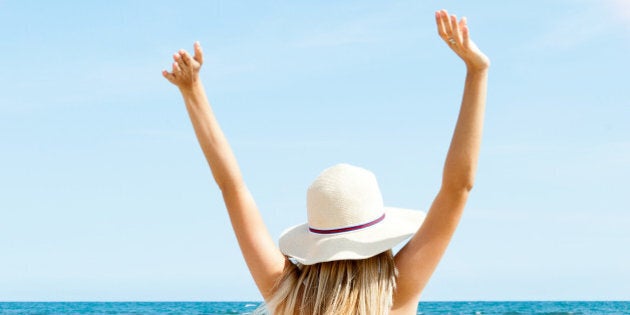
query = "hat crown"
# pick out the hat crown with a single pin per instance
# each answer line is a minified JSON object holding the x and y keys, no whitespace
{"x":342,"y":196}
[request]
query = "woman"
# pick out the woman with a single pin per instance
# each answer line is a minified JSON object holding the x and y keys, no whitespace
{"x":341,"y":262}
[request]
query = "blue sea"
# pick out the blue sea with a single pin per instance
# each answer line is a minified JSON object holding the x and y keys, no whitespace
{"x":212,"y":308}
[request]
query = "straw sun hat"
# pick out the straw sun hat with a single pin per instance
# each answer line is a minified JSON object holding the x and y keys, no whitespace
{"x":347,"y":219}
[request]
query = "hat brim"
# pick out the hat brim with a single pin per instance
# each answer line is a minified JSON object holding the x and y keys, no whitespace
{"x":309,"y":248}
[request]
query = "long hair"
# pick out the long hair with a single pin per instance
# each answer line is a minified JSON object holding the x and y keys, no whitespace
{"x":362,"y":287}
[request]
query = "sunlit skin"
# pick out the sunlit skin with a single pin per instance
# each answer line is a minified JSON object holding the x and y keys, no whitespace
{"x":417,"y":260}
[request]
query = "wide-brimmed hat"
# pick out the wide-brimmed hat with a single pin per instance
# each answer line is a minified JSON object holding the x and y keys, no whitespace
{"x":347,"y":219}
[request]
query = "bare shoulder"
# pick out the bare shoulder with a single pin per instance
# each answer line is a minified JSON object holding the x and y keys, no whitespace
{"x":417,"y":260}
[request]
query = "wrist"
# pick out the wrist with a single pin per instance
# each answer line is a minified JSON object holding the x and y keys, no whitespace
{"x":192,"y":88}
{"x":477,"y":70}
{"x":477,"y":66}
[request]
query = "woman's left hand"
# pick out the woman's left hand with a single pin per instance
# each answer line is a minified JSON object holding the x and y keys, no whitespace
{"x":185,"y":68}
{"x":456,"y":35}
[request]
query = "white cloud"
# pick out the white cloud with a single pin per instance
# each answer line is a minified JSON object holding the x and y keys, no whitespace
{"x":591,"y":19}
{"x":621,"y":9}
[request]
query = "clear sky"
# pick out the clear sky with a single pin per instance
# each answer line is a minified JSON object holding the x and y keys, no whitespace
{"x":105,"y":194}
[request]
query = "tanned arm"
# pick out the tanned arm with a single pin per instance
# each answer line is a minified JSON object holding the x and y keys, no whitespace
{"x":263,"y":258}
{"x":417,"y":261}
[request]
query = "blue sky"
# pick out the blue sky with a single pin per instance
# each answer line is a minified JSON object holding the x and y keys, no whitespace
{"x":105,"y":194}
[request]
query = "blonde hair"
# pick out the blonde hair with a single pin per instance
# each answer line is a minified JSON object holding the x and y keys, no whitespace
{"x":359,"y":287}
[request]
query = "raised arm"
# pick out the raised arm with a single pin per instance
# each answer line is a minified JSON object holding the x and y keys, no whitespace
{"x":419,"y":258}
{"x":264,"y":260}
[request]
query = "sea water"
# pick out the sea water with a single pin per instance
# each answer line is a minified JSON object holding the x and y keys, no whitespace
{"x":211,"y":308}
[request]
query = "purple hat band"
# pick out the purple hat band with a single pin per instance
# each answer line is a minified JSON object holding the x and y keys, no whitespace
{"x":347,"y":229}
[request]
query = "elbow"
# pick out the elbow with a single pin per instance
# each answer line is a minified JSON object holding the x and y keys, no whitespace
{"x":468,"y":184}
{"x":228,"y":187}
{"x":460,"y":181}
{"x":464,"y":186}
{"x":468,"y":187}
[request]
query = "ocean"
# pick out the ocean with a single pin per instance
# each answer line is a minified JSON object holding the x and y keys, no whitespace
{"x":212,"y":308}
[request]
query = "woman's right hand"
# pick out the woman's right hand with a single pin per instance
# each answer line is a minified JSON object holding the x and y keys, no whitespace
{"x":456,"y":35}
{"x":185,"y":68}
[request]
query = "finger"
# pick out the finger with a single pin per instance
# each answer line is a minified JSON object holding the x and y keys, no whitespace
{"x":177,"y":59}
{"x":185,"y":58}
{"x":198,"y":53}
{"x":447,"y":25}
{"x":462,"y":22}
{"x":455,"y":30}
{"x":169,"y":76}
{"x":176,"y":68}
{"x":465,"y":33}
{"x":440,"y":25}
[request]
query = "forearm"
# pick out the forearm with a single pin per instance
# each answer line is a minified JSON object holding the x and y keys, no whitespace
{"x":461,"y":161}
{"x":211,"y":139}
